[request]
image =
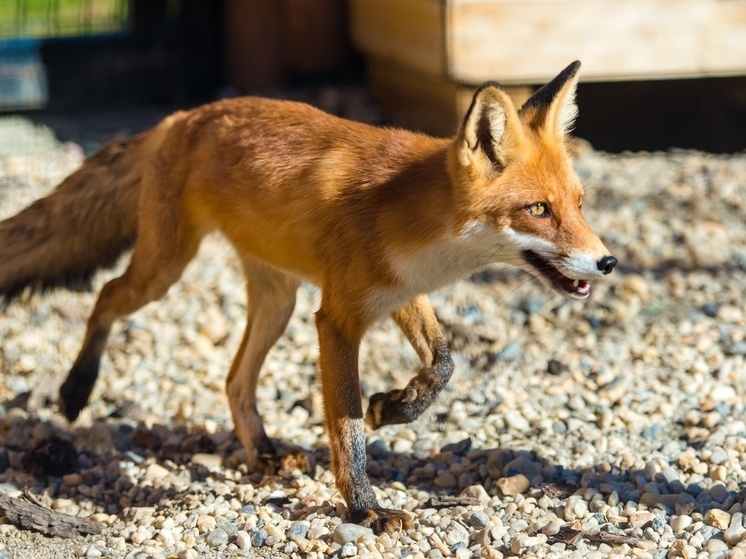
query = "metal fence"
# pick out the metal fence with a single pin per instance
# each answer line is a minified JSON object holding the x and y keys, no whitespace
{"x":61,"y":18}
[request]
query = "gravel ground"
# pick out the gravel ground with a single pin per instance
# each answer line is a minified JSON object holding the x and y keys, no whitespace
{"x":610,"y":428}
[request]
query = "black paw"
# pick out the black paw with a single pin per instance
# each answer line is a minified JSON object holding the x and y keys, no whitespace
{"x":394,"y":407}
{"x":73,"y":398}
{"x":78,"y":385}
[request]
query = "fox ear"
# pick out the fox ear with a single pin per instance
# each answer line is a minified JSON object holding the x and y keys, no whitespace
{"x":552,"y":107}
{"x":489,"y":128}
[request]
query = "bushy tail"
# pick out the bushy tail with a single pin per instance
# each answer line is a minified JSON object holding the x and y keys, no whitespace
{"x":83,"y":225}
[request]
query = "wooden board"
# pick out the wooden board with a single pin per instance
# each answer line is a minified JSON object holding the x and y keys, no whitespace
{"x":408,"y":32}
{"x":421,"y":102}
{"x":529,"y":41}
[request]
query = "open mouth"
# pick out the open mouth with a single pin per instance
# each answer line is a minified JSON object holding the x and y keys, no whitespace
{"x":575,"y":288}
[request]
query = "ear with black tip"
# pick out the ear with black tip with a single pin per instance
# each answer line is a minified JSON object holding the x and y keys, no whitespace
{"x":552,"y":107}
{"x":489,"y":128}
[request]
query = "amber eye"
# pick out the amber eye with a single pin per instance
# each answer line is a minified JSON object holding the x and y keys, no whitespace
{"x":539,"y":209}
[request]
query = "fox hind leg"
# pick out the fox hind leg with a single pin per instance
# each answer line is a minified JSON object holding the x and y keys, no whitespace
{"x":166,"y":243}
{"x":419,"y":324}
{"x":271,"y":297}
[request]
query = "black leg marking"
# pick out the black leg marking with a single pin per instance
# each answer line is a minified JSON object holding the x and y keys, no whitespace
{"x":406,"y":405}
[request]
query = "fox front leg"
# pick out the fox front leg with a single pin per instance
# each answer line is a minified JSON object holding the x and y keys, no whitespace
{"x":338,"y":360}
{"x":419,"y":324}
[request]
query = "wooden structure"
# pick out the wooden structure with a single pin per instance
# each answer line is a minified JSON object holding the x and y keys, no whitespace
{"x":426,"y":56}
{"x":266,"y":41}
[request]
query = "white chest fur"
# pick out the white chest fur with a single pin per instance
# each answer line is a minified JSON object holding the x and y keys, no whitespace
{"x":449,"y":258}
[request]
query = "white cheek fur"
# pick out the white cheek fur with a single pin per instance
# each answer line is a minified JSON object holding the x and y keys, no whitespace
{"x":526,"y":241}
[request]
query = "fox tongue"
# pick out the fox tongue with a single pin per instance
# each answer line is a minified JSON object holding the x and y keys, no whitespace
{"x":582,"y":287}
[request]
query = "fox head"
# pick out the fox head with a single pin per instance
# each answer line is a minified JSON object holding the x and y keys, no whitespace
{"x":514,"y":174}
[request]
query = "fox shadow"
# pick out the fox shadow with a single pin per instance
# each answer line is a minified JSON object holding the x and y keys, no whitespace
{"x":44,"y":455}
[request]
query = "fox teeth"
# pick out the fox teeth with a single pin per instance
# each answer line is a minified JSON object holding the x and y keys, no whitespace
{"x":576,"y":283}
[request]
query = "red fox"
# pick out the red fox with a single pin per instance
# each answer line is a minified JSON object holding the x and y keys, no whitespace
{"x":376,"y":217}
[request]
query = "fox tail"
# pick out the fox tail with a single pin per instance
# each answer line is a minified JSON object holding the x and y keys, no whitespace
{"x":84,"y":224}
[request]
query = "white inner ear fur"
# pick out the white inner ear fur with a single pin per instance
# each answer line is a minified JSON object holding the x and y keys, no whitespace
{"x":566,"y":110}
{"x":496,"y":116}
{"x":488,"y":105}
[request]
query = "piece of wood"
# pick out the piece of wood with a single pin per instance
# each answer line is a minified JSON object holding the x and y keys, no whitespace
{"x":29,"y":515}
{"x":422,"y":102}
{"x":408,"y":32}
{"x":314,"y":34}
{"x":529,"y":41}
{"x":450,"y":501}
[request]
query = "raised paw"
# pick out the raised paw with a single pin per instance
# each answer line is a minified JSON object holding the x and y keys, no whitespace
{"x":394,"y":407}
{"x":382,"y":520}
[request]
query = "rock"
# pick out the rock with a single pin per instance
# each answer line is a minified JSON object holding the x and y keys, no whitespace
{"x":72,"y":480}
{"x":456,"y":533}
{"x":723,"y":393}
{"x":613,"y":391}
{"x":478,"y":520}
{"x":681,"y":523}
{"x":496,"y":462}
{"x":491,"y":553}
{"x":708,"y":243}
{"x":718,"y":456}
{"x":714,"y":546}
{"x":227,"y":526}
{"x":217,"y":538}
{"x":210,"y":461}
{"x":206,"y":523}
{"x":346,"y":533}
{"x":516,"y":421}
{"x":348,"y":550}
{"x":299,"y":529}
{"x":522,"y":464}
{"x":640,"y":519}
{"x":243,"y":540}
{"x":445,"y":480}
{"x":552,"y":528}
{"x":734,"y":534}
{"x":717,"y":518}
{"x":510,"y":352}
{"x":719,"y":493}
{"x":258,"y":537}
{"x":155,"y":471}
{"x":513,"y":485}
{"x":459,"y":448}
{"x":476,"y":492}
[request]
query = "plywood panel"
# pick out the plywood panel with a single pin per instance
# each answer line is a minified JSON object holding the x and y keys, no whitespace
{"x":529,"y":41}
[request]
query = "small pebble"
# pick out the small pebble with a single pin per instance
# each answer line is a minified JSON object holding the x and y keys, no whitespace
{"x":346,"y":533}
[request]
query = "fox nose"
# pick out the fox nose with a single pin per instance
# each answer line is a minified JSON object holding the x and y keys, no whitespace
{"x":607,"y":264}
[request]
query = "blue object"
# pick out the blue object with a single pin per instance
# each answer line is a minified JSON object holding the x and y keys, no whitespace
{"x":23,"y":79}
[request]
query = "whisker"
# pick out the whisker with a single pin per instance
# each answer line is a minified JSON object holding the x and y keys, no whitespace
{"x":529,"y":280}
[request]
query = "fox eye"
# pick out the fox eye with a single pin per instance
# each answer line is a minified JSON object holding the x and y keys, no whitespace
{"x":539,"y":209}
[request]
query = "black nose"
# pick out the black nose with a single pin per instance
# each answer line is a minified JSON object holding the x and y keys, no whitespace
{"x":607,"y":264}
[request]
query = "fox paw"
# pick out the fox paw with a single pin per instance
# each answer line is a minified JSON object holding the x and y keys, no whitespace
{"x":394,"y":407}
{"x":287,"y":462}
{"x":382,"y":520}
